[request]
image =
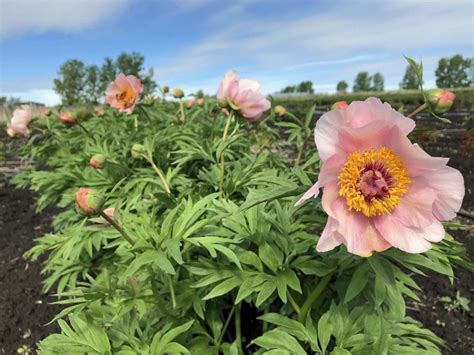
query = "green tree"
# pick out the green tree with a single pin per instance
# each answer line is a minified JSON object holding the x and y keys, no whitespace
{"x":108,"y":73}
{"x":288,"y":89}
{"x":410,"y":79}
{"x":306,"y":87}
{"x":71,"y":82}
{"x":93,"y":90}
{"x":361,"y":82}
{"x":342,"y":86}
{"x":377,"y":81}
{"x":453,"y":72}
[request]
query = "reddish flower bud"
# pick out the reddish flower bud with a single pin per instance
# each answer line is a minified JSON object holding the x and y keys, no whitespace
{"x":200,"y":101}
{"x":99,"y":112}
{"x":67,"y":118}
{"x":166,"y":89}
{"x":46,"y":111}
{"x":97,"y":161}
{"x":440,"y":100}
{"x":340,"y":105}
{"x":190,"y":103}
{"x":89,"y":201}
{"x":137,"y":151}
{"x":110,"y":211}
{"x":178,"y":93}
{"x":280,"y":110}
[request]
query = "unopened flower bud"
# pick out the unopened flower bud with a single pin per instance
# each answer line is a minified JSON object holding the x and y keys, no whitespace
{"x":99,"y":112}
{"x":340,"y":105}
{"x":11,"y":133}
{"x":178,"y":93}
{"x":67,"y":118}
{"x":200,"y":101}
{"x":89,"y":201}
{"x":97,"y":161}
{"x":46,"y":111}
{"x":190,"y":103}
{"x":166,"y":89}
{"x":280,"y":110}
{"x":110,"y":211}
{"x":440,"y":100}
{"x":137,"y":151}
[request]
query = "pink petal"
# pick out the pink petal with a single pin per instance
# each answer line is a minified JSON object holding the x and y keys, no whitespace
{"x":222,"y":91}
{"x":409,"y":239}
{"x":330,"y":238}
{"x":371,"y":136}
{"x":247,"y":84}
{"x":415,"y":208}
{"x":135,"y":83}
{"x":326,"y":133}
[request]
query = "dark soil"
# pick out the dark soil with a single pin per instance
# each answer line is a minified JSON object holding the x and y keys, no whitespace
{"x":24,"y":309}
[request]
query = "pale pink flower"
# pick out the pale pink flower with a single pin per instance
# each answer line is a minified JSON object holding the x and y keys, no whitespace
{"x":380,"y":190}
{"x":123,"y":93}
{"x":243,"y":95}
{"x":20,"y":121}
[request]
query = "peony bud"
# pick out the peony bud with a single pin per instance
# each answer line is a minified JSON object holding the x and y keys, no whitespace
{"x":99,"y":111}
{"x":89,"y":201}
{"x":110,"y":211}
{"x":280,"y":110}
{"x":11,"y":133}
{"x":340,"y":105}
{"x":137,"y":151}
{"x":97,"y":161}
{"x":178,"y":93}
{"x":46,"y":111}
{"x":200,"y":101}
{"x":190,"y":103}
{"x":67,"y":118}
{"x":440,"y":100}
{"x":166,"y":89}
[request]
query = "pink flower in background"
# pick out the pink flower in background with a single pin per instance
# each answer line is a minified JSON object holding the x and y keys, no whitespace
{"x":380,"y":190}
{"x":243,"y":95}
{"x":340,"y":105}
{"x":123,"y":93}
{"x":20,"y":121}
{"x":67,"y":118}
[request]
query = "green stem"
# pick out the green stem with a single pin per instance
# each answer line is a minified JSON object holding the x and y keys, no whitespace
{"x":118,"y":228}
{"x":300,"y":153}
{"x":213,"y":128}
{"x":293,"y":303}
{"x":313,"y":296}
{"x":222,"y":168}
{"x":86,"y":130}
{"x":173,"y":297}
{"x":183,"y":117}
{"x":418,"y":110}
{"x":226,"y":324}
{"x":142,"y":109}
{"x":289,"y":114}
{"x":265,"y":324}
{"x":238,"y":330}
{"x":158,"y":172}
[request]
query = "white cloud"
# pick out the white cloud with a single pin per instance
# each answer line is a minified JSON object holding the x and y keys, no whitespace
{"x":20,"y":16}
{"x":45,"y":96}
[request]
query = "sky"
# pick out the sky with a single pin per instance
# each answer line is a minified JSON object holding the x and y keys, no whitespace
{"x":192,"y":43}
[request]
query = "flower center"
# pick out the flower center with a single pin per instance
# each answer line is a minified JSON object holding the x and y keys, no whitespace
{"x":373,"y":182}
{"x":126,"y":97}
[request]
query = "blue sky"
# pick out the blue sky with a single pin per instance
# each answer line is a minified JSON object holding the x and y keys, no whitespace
{"x":192,"y":43}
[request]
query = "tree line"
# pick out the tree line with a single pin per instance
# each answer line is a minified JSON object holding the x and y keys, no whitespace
{"x":451,"y":73}
{"x":78,"y":83}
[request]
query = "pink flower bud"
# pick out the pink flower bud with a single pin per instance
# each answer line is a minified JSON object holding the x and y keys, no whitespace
{"x":190,"y":103}
{"x":20,"y":121}
{"x":280,"y":110}
{"x":67,"y":118}
{"x":440,"y":100}
{"x":88,"y":201}
{"x":97,"y":161}
{"x":99,"y":112}
{"x":110,"y":211}
{"x":200,"y":101}
{"x":340,"y":105}
{"x":166,"y":89}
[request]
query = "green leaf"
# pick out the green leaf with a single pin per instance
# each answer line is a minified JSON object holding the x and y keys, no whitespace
{"x":358,"y":281}
{"x":224,"y":287}
{"x":277,"y":339}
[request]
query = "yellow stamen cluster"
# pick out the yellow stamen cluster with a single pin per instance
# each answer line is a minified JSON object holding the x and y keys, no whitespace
{"x":126,"y":97}
{"x":350,"y":181}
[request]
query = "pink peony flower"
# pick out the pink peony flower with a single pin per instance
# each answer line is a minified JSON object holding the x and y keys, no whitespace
{"x":380,"y":190}
{"x":340,"y":105}
{"x":243,"y":95}
{"x":20,"y":121}
{"x":122,"y":93}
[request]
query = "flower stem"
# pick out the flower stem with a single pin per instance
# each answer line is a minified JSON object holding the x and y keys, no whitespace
{"x":418,"y":110}
{"x":293,"y":302}
{"x":173,"y":297}
{"x":222,"y":168}
{"x":181,"y":108}
{"x":118,"y":228}
{"x":238,"y":330}
{"x":86,"y":130}
{"x":226,"y":324}
{"x":142,"y":109}
{"x":313,"y":296}
{"x":158,"y":172}
{"x":300,"y":153}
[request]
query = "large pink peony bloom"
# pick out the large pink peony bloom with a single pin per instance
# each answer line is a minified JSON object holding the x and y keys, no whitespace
{"x":122,"y":93}
{"x":380,"y":190}
{"x":20,"y":121}
{"x":243,"y":95}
